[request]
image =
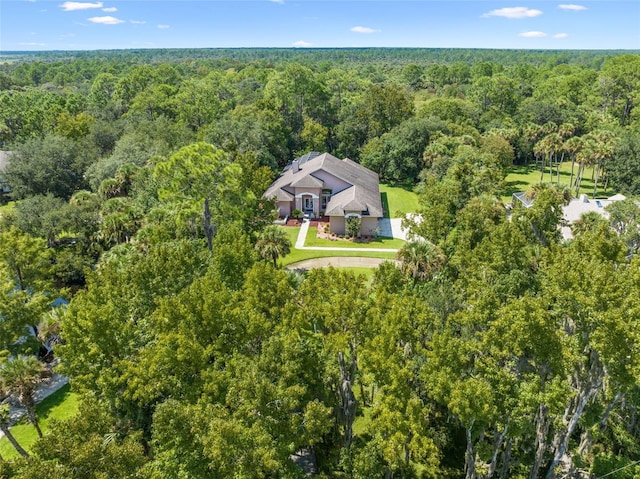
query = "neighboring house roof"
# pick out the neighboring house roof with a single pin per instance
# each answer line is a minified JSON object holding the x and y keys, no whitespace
{"x":524,"y":199}
{"x":577,"y":207}
{"x":361,"y":193}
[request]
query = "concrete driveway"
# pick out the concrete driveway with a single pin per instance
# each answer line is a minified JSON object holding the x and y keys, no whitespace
{"x":392,"y":227}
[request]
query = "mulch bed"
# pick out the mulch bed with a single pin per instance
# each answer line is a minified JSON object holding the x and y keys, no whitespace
{"x":321,"y":234}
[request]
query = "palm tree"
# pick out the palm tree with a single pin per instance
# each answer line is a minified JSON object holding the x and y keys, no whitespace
{"x":584,"y":156}
{"x":273,"y":243}
{"x":565,"y":130}
{"x":588,"y":222}
{"x":20,"y":377}
{"x":603,"y":150}
{"x":421,"y":260}
{"x":572,"y":146}
{"x":548,"y":147}
{"x":5,"y":422}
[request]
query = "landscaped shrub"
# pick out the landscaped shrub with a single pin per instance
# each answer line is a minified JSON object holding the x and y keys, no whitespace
{"x":353,"y":226}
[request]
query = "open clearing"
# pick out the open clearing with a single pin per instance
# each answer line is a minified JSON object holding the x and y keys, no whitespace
{"x":398,"y":200}
{"x":522,"y":178}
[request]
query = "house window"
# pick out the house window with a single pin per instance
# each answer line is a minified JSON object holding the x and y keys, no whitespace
{"x":326,"y":196}
{"x":308,"y":203}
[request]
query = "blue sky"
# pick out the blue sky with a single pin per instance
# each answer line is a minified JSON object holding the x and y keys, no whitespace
{"x":90,"y":25}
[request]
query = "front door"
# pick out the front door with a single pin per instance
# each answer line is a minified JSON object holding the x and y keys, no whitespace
{"x":308,"y":203}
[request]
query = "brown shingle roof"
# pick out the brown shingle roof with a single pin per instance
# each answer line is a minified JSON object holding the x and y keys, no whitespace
{"x":362,"y":195}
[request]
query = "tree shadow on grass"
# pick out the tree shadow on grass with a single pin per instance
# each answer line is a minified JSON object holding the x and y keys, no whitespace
{"x":515,"y":187}
{"x":56,"y":399}
{"x":385,"y":204}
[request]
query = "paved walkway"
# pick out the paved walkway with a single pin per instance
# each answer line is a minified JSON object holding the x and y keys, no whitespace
{"x":302,"y":235}
{"x":46,"y":389}
{"x":338,"y":262}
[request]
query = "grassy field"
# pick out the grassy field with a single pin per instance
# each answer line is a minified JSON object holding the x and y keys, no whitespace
{"x":521,"y":178}
{"x":60,"y":405}
{"x":379,"y":242}
{"x":398,"y":200}
{"x":302,"y":254}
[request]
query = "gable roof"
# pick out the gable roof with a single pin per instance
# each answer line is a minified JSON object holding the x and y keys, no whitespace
{"x":362,"y":195}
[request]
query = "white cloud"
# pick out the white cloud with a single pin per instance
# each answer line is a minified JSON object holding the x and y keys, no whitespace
{"x":110,"y":9}
{"x":514,"y":12}
{"x":561,"y":35}
{"x":281,"y":2}
{"x":107,"y":20}
{"x":302,"y":43}
{"x":32,"y":44}
{"x":163,"y":27}
{"x":72,"y":6}
{"x":138,"y":22}
{"x":359,"y":29}
{"x":533,"y":34}
{"x":573,"y":7}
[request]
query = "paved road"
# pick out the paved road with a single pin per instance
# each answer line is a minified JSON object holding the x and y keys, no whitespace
{"x":338,"y":262}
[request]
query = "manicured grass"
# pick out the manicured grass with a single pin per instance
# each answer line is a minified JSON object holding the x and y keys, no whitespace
{"x":62,"y":404}
{"x":379,"y":242}
{"x":292,"y":233}
{"x":398,"y":200}
{"x":302,"y":254}
{"x":360,"y":271}
{"x":522,"y":178}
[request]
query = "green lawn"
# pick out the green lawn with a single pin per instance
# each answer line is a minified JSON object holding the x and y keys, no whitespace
{"x":302,"y":254}
{"x":60,"y":405}
{"x":379,"y":242}
{"x":398,"y":200}
{"x":521,"y":178}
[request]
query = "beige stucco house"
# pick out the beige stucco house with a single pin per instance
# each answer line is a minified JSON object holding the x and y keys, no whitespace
{"x":323,"y":185}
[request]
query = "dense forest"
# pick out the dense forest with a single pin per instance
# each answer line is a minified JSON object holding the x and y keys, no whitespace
{"x":138,"y":245}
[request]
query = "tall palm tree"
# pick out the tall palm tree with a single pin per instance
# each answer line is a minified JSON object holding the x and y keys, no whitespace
{"x":273,"y":243}
{"x":603,"y":151}
{"x":572,"y":146}
{"x":565,"y":130}
{"x":20,"y":377}
{"x":421,"y":260}
{"x":5,"y":422}
{"x":548,"y":148}
{"x":585,"y":157}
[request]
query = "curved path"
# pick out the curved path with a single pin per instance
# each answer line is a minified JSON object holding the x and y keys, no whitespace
{"x":338,"y":262}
